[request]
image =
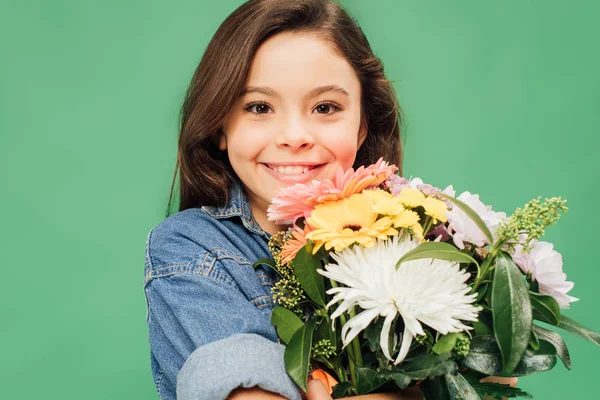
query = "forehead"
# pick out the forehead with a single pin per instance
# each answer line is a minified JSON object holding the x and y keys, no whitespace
{"x":301,"y":61}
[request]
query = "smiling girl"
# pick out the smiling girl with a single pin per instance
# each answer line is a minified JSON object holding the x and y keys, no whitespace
{"x":287,"y":91}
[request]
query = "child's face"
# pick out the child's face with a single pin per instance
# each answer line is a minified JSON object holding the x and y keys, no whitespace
{"x":281,"y":132}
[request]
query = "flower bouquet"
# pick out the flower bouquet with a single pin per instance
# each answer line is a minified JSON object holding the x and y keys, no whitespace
{"x":387,"y":283}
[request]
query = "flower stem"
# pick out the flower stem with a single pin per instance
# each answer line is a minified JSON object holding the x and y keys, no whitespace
{"x":355,"y":343}
{"x":339,"y":371}
{"x":350,"y":349}
{"x":351,"y":356}
{"x":428,"y":222}
{"x":481,"y":274}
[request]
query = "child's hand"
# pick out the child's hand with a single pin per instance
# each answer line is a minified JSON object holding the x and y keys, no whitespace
{"x":317,"y":391}
{"x":499,"y":379}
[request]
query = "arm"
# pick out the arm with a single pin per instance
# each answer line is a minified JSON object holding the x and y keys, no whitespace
{"x":317,"y":391}
{"x":206,"y":337}
{"x":254,"y":393}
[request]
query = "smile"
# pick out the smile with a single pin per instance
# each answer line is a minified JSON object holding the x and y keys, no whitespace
{"x":293,"y":173}
{"x":291,"y":169}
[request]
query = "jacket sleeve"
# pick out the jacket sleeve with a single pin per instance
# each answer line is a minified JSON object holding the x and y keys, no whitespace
{"x":207,"y":337}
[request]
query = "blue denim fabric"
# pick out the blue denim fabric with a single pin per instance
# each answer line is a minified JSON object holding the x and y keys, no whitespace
{"x":208,"y":310}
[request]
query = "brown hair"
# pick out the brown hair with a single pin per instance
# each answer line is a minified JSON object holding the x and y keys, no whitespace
{"x":205,"y":173}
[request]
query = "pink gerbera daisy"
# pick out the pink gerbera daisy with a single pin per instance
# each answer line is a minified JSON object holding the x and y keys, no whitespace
{"x":300,"y":199}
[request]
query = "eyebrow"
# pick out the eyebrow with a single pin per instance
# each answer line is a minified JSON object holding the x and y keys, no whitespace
{"x":312,"y":93}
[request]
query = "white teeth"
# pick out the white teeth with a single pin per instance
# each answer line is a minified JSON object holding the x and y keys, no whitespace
{"x":289,"y":170}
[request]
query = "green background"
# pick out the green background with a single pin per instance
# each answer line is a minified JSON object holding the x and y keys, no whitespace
{"x":501,"y":98}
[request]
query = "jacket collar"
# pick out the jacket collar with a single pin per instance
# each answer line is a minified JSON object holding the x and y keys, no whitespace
{"x":237,"y":206}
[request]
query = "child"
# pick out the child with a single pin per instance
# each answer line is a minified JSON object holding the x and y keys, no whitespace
{"x":287,"y":91}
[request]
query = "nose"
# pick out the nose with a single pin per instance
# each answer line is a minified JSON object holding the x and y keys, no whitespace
{"x":295,"y":136}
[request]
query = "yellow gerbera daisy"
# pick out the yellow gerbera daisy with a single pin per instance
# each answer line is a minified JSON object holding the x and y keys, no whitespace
{"x":338,"y":224}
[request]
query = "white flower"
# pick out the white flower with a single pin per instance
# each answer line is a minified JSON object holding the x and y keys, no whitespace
{"x":430,"y":291}
{"x":545,"y":265}
{"x":414,"y":182}
{"x":449,"y":191}
{"x":465,"y":229}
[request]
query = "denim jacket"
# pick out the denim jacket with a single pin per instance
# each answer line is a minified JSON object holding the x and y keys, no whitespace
{"x":208,"y":310}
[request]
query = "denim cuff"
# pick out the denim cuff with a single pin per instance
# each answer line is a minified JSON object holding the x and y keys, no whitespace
{"x":214,"y":370}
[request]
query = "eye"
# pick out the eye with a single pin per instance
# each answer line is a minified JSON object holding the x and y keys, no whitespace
{"x":327,"y":106}
{"x":261,"y":107}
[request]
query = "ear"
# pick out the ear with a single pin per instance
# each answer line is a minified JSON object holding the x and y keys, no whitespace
{"x":362,"y":133}
{"x":222,"y":141}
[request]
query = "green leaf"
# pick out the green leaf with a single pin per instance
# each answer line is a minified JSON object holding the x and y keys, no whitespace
{"x":297,"y":354}
{"x":372,"y":334}
{"x":540,"y":317}
{"x":511,"y":311}
{"x":484,"y":324}
{"x":368,"y":380}
{"x":267,"y":262}
{"x":341,"y":390}
{"x":305,"y":268}
{"x":472,"y":214}
{"x":557,"y":341}
{"x":445,"y":343}
{"x":435,"y":389}
{"x":485,"y":357}
{"x":459,"y":388}
{"x":324,"y":332}
{"x":482,"y":292}
{"x":285,"y":322}
{"x":535,"y":287}
{"x":495,"y":390}
{"x":437,"y":250}
{"x":427,"y":366}
{"x":547,"y":306}
{"x":534,"y":340}
{"x":401,"y":380}
{"x":579,"y":330}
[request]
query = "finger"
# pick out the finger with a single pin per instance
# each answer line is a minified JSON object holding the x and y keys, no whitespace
{"x":502,"y":380}
{"x":317,"y":391}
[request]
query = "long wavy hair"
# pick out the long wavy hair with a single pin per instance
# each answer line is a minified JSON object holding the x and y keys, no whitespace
{"x":205,"y":174}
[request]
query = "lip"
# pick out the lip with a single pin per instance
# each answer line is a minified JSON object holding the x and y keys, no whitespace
{"x":308,"y":176}
{"x":288,"y":163}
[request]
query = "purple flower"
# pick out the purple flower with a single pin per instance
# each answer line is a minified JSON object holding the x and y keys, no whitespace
{"x":395,"y":183}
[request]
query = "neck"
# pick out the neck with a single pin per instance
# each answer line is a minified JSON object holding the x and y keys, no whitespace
{"x":260,"y":215}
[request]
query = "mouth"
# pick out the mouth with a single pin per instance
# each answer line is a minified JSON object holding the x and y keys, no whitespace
{"x":296,"y":172}
{"x":297,"y":169}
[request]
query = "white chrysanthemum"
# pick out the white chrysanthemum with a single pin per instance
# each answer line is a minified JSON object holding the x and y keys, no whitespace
{"x":428,"y":291}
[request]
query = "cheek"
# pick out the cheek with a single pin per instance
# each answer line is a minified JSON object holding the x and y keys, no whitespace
{"x":347,"y":154}
{"x":343,"y":144}
{"x":244,"y":144}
